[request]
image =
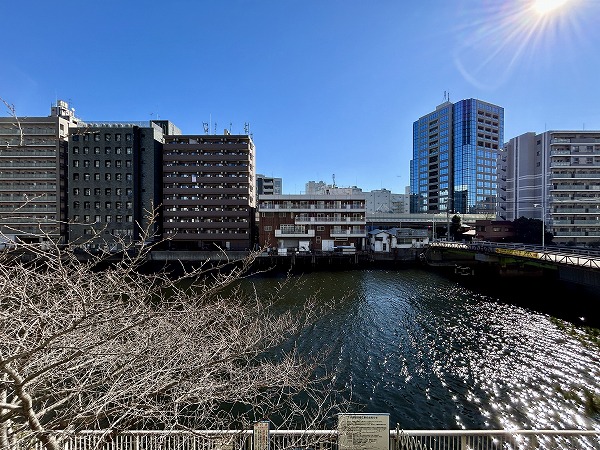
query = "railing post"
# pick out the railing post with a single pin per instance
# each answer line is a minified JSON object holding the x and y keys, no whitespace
{"x":463,"y":442}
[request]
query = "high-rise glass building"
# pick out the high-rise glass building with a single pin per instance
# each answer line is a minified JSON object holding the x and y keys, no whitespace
{"x":455,"y":156}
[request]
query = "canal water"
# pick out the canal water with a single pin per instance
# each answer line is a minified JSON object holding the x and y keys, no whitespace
{"x":437,"y":354}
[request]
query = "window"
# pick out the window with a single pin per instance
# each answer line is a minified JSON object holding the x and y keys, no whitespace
{"x":97,"y":205}
{"x":96,"y":191}
{"x":108,"y":191}
{"x":86,"y":218}
{"x":128,"y":191}
{"x":86,"y":137}
{"x":107,"y":176}
{"x":128,"y":150}
{"x":107,"y":137}
{"x":128,"y":205}
{"x":108,"y":205}
{"x":96,"y":163}
{"x":118,"y":176}
{"x":128,"y":163}
{"x":86,"y":163}
{"x":107,"y":150}
{"x":118,"y":191}
{"x":118,"y":205}
{"x":128,"y":137}
{"x":86,"y":150}
{"x":96,"y":177}
{"x":107,"y":163}
{"x":119,"y":218}
{"x":87,"y":192}
{"x":97,"y":218}
{"x":118,"y":137}
{"x":96,"y":137}
{"x":108,"y":218}
{"x":76,"y":218}
{"x":118,"y":163}
{"x":76,"y":163}
{"x":75,"y":176}
{"x":75,"y":150}
{"x":76,"y":205}
{"x":268,"y":228}
{"x":86,"y":205}
{"x":118,"y":150}
{"x":86,"y":177}
{"x":75,"y":137}
{"x":129,"y":218}
{"x":96,"y":150}
{"x":128,"y":177}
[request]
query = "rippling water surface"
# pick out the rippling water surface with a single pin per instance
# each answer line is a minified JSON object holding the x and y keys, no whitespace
{"x":437,"y":355}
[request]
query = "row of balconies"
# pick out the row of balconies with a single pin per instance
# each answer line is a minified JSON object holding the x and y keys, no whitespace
{"x":591,"y":175}
{"x":579,"y":187}
{"x":331,"y":220}
{"x":44,"y":164}
{"x":582,"y":233}
{"x":574,"y":152}
{"x":311,"y":233}
{"x":27,"y":153}
{"x":26,"y":176}
{"x":304,"y":207}
{"x":38,"y":188}
{"x":576,"y":140}
{"x":589,"y":222}
{"x":576,"y":164}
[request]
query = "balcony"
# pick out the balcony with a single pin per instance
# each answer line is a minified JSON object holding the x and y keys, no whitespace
{"x":295,"y":234}
{"x":331,"y":220}
{"x":348,"y":233}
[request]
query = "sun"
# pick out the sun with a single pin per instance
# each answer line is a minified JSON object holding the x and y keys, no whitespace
{"x":543,"y":7}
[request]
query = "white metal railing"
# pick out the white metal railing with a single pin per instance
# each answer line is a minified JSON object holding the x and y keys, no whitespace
{"x":322,"y":440}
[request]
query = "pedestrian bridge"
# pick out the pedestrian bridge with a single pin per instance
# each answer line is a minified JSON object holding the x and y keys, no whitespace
{"x":551,"y":254}
{"x":566,"y":265}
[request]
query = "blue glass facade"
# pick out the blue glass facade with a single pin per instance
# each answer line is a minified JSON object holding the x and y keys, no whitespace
{"x":455,"y":153}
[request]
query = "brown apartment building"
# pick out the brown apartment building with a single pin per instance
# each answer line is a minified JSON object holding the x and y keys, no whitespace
{"x":304,"y":223}
{"x":209,"y":195}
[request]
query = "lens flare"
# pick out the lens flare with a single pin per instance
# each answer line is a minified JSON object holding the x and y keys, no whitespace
{"x":547,"y":6}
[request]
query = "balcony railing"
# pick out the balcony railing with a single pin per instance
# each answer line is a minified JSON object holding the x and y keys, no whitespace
{"x":331,"y":220}
{"x":295,"y":233}
{"x":348,"y":233}
{"x":322,"y":440}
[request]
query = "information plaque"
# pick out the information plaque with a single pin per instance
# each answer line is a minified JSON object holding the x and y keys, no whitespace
{"x":260,"y":439}
{"x":364,"y":431}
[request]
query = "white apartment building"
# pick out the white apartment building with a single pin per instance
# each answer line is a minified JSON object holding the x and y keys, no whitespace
{"x":555,"y":176}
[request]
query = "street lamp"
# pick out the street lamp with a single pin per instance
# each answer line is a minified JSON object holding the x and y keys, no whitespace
{"x":539,"y":205}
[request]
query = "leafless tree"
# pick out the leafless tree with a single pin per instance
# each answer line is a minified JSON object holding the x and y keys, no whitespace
{"x":96,"y":341}
{"x":88,"y":344}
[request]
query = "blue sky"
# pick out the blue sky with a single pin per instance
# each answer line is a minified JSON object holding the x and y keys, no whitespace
{"x":326,"y":86}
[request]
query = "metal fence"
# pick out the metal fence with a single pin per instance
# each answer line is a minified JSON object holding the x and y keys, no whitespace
{"x":322,"y":440}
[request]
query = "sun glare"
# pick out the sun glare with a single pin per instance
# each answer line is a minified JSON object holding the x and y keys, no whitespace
{"x":547,"y":6}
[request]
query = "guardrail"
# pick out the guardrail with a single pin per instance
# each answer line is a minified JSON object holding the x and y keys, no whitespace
{"x":322,"y":440}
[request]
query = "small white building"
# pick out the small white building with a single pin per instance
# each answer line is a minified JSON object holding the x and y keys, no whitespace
{"x":384,"y":241}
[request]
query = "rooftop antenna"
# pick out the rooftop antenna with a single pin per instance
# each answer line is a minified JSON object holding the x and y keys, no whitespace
{"x":333,"y":180}
{"x":445,"y":95}
{"x":230,"y":127}
{"x":205,"y":126}
{"x":246,"y":128}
